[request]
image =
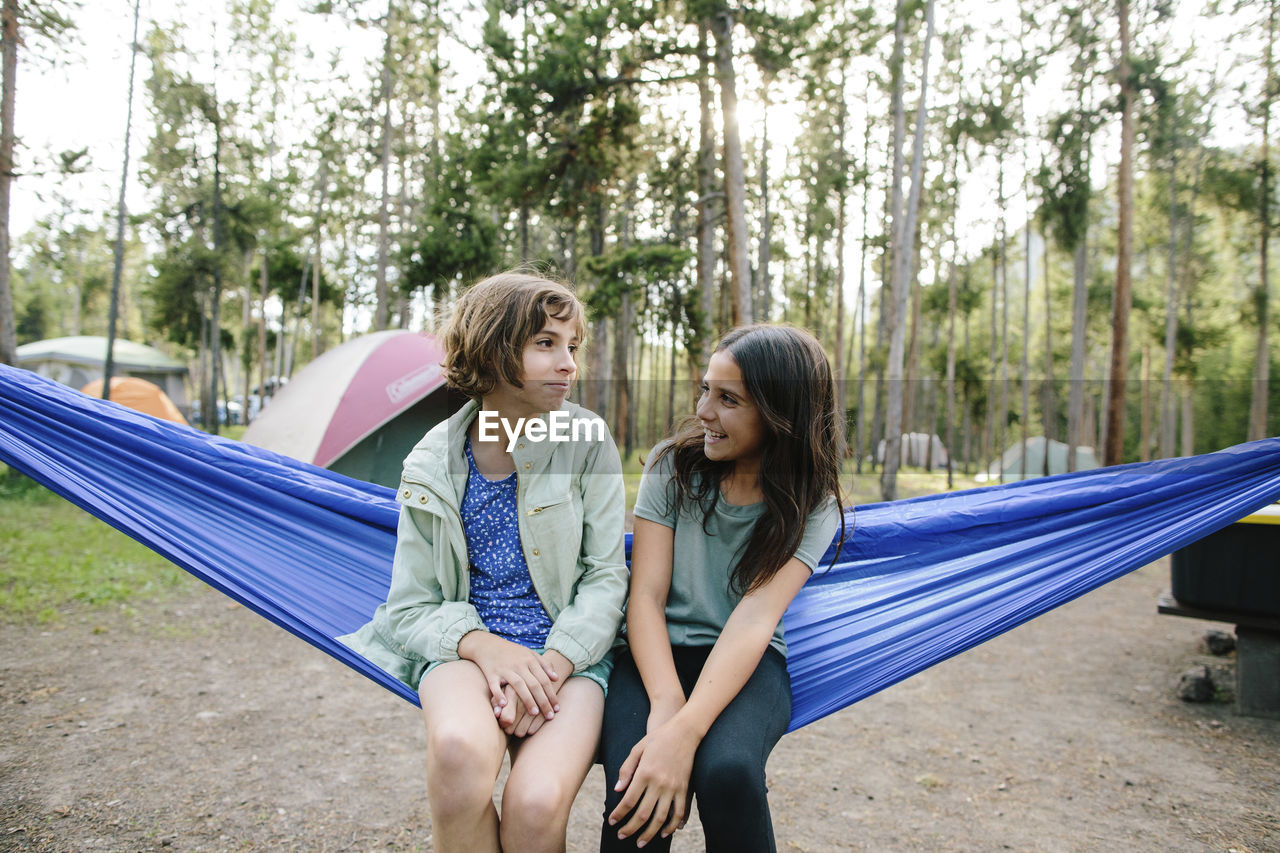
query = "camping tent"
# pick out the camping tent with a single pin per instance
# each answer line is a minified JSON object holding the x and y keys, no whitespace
{"x":77,"y":360}
{"x":1011,"y":460}
{"x":918,"y":450}
{"x":139,"y":395}
{"x":359,"y":408}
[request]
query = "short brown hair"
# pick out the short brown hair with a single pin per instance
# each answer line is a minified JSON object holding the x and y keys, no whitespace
{"x":486,"y":332}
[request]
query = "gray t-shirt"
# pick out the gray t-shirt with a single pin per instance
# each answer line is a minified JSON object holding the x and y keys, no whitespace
{"x":700,"y":599}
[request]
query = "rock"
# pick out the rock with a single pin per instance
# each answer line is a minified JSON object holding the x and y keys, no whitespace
{"x":1196,"y":685}
{"x":1219,"y":642}
{"x":1223,"y":677}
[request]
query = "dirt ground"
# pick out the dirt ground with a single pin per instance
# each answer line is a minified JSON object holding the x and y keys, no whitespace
{"x":198,"y":726}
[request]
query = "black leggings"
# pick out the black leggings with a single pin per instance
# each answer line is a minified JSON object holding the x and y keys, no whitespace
{"x":728,"y":769}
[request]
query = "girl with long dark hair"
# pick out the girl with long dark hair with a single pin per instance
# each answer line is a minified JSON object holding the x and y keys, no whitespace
{"x":733,"y":515}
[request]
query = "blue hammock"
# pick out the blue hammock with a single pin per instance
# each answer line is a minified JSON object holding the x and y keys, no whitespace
{"x":918,"y":581}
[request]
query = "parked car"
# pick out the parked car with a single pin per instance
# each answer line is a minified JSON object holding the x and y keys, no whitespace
{"x":229,"y":412}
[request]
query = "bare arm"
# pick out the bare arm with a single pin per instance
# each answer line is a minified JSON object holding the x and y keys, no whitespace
{"x":741,"y":644}
{"x":652,"y":551}
{"x":655,"y":775}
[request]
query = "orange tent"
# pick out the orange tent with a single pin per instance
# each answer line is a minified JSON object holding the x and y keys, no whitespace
{"x":139,"y":395}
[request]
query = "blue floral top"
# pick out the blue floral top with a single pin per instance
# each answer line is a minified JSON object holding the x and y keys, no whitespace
{"x":501,"y":589}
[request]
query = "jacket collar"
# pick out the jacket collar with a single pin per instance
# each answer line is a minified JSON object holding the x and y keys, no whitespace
{"x":440,"y":459}
{"x":524,"y":451}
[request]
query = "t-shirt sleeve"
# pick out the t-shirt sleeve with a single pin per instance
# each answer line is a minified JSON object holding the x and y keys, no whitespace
{"x":819,"y":533}
{"x":654,"y":501}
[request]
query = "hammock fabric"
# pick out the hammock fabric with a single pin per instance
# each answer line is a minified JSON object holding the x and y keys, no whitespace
{"x":918,"y":580}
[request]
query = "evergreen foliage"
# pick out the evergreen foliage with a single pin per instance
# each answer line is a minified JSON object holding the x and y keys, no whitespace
{"x":294,"y":200}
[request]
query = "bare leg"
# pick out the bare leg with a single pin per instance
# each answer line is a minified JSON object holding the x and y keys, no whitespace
{"x":548,"y":768}
{"x":465,"y":748}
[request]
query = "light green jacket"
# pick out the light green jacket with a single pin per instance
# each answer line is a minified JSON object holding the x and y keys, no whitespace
{"x":570,"y":502}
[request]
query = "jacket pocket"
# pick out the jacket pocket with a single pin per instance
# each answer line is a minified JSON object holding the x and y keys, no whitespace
{"x":548,"y":505}
{"x":554,"y":538}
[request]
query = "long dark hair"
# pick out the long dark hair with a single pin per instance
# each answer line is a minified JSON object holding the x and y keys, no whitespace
{"x":789,"y":379}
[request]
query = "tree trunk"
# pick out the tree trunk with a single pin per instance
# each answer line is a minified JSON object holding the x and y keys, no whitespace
{"x":810,"y":261}
{"x":600,"y":365}
{"x":1079,"y":323}
{"x":706,"y":194}
{"x":904,"y":230}
{"x":264,"y":282}
{"x":838,"y":347}
{"x":246,"y":323}
{"x":291,"y":355}
{"x":1002,"y":414}
{"x":215,"y":307}
{"x":740,"y":307}
{"x":951,"y":322}
{"x":1188,"y":422}
{"x":911,"y":367}
{"x":1168,"y":399}
{"x":859,"y":431}
{"x":524,"y":140}
{"x":966,"y":425}
{"x":1124,"y":251}
{"x":622,"y":433}
{"x":670,"y":420}
{"x":880,"y":392}
{"x":1145,"y":415}
{"x":315,"y":297}
{"x":647,"y":382}
{"x":9,"y":64}
{"x":382,"y":305}
{"x":1047,"y":407}
{"x":766,"y":223}
{"x":313,"y":265}
{"x":1025,"y":379}
{"x":117,"y":265}
{"x":202,"y":381}
{"x":1188,"y":286}
{"x":1258,"y":404}
{"x":988,"y":448}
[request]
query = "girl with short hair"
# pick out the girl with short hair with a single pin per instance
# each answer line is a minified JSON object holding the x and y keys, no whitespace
{"x":508,"y":580}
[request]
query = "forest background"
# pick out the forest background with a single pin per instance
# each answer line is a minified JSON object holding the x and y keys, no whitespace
{"x":1002,"y":219}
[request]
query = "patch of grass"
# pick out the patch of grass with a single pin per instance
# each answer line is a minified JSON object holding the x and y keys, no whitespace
{"x":864,"y":488}
{"x":18,"y":486}
{"x":53,"y":554}
{"x":232,"y":431}
{"x":632,"y":469}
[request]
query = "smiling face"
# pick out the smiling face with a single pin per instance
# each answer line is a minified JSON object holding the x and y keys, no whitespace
{"x":734,"y":430}
{"x":549,"y":366}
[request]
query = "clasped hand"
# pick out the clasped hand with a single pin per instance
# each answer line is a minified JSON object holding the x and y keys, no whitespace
{"x":655,"y":777}
{"x":522,"y":683}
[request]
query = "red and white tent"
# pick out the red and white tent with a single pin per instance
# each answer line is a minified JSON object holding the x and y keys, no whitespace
{"x":358,"y":409}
